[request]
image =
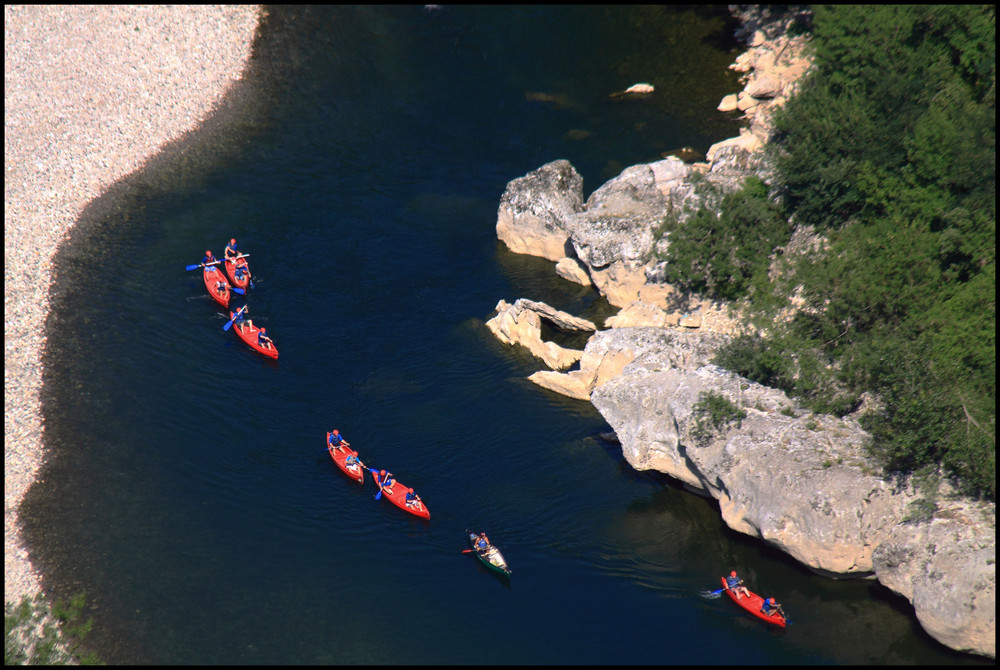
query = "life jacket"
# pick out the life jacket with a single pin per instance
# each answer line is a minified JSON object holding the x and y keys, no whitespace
{"x":335,"y":440}
{"x":732,"y":582}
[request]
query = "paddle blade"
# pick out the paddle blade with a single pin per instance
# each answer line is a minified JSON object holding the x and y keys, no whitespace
{"x":711,"y":594}
{"x":192,"y":267}
{"x":229,"y":324}
{"x":237,"y":289}
{"x":378,"y":495}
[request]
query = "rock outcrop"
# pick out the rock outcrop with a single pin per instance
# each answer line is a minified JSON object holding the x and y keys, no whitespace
{"x":533,"y":208}
{"x":946,"y":566}
{"x":521,"y":323}
{"x":798,"y":481}
{"x":803,"y":483}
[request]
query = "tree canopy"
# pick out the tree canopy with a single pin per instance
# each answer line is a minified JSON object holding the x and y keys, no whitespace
{"x":888,"y":152}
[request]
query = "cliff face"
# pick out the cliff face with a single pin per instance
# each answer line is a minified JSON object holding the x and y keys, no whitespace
{"x":798,"y":481}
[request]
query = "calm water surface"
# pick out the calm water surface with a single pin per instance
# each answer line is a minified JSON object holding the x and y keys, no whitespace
{"x":186,"y":491}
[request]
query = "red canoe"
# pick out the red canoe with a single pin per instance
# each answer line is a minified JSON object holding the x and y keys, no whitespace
{"x":339,"y":456}
{"x":248,"y":334}
{"x":231,"y":271}
{"x":752,"y":604}
{"x":213,"y":275}
{"x":398,"y":498}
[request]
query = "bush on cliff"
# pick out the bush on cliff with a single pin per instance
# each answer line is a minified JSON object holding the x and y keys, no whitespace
{"x":889,"y":152}
{"x":721,"y":254}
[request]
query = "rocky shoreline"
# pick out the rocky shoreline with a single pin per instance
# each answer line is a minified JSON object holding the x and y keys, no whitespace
{"x":798,"y":481}
{"x":91,"y":93}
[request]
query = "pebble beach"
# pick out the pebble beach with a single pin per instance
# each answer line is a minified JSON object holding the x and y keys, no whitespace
{"x":91,"y":93}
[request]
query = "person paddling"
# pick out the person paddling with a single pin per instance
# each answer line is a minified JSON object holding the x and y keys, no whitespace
{"x":386,"y":481}
{"x":262,"y":338}
{"x":208,"y":258}
{"x":231,"y":251}
{"x":241,"y":271}
{"x":736,"y":586}
{"x":337,"y":441}
{"x":771,"y":608}
{"x":412,"y":499}
{"x":482,"y":543}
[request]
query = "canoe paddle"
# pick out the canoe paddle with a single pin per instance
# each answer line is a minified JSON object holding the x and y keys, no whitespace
{"x":229,"y":324}
{"x":215,"y":262}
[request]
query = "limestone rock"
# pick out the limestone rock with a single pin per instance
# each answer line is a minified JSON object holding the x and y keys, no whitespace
{"x":946,"y":566}
{"x":728,"y":103}
{"x":640,"y":313}
{"x":764,"y":87}
{"x":609,"y":351}
{"x":533,"y":209}
{"x":640,"y":88}
{"x":747,"y":142}
{"x":613,"y":235}
{"x":520,"y":323}
{"x":575,"y":384}
{"x":559,"y":319}
{"x":798,"y":483}
{"x":691,"y":320}
{"x":573,"y":270}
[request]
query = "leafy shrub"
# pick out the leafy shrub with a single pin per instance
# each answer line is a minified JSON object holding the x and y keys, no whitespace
{"x":719,"y":253}
{"x":36,"y":636}
{"x":714,"y":412}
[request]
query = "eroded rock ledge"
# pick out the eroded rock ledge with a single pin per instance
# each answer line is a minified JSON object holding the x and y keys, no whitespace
{"x":798,"y":481}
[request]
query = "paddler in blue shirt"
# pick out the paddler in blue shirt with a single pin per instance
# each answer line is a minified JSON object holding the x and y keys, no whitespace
{"x":771,"y":608}
{"x":482,"y":543}
{"x":241,"y":269}
{"x":735,"y":585}
{"x":412,"y":499}
{"x":262,"y":338}
{"x":208,"y":258}
{"x":239,"y":318}
{"x":231,"y":249}
{"x":337,"y":441}
{"x":386,"y":480}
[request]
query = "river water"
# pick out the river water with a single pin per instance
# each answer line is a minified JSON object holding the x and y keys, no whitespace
{"x":361,"y":166}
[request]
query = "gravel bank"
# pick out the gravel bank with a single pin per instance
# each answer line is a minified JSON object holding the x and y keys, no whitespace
{"x":90,"y":93}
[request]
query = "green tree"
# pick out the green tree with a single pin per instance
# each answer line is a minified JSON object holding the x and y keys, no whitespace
{"x":720,"y":254}
{"x":889,"y":152}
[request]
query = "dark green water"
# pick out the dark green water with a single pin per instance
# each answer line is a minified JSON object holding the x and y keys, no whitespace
{"x":361,"y":164}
